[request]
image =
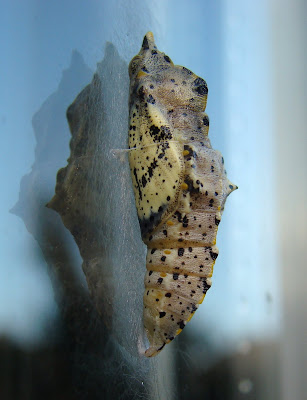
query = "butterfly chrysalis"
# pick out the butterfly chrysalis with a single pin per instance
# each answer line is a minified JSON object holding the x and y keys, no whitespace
{"x":180,"y":188}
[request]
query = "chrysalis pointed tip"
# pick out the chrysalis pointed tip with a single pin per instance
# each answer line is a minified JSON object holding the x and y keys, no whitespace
{"x":232,"y":187}
{"x":150,"y":35}
{"x":154,"y":350}
{"x":149,"y":41}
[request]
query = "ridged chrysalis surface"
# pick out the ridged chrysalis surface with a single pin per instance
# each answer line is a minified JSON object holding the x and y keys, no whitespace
{"x":180,"y":188}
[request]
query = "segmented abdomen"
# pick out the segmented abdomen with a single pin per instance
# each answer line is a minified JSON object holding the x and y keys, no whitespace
{"x":181,"y":251}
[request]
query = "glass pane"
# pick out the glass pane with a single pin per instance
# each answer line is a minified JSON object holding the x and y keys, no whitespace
{"x":72,"y":258}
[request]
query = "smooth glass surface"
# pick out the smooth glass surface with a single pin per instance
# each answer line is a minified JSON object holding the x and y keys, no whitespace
{"x":71,"y":317}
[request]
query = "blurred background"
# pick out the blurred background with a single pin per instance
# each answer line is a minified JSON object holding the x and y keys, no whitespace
{"x":71,"y":299}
